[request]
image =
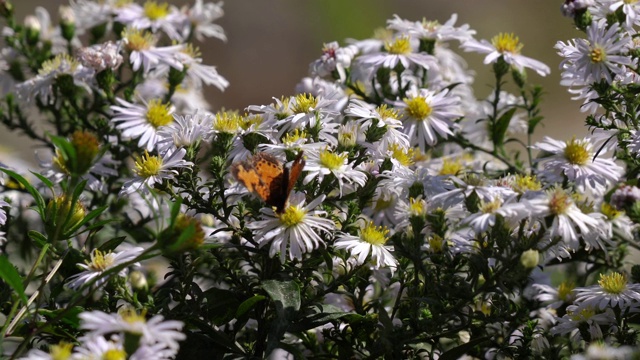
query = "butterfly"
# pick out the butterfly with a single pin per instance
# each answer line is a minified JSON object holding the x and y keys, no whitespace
{"x":264,"y":175}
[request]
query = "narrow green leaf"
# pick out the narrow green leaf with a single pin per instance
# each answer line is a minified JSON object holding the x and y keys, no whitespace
{"x":249,"y":304}
{"x":44,"y":180}
{"x":34,"y":193}
{"x":111,"y":244}
{"x":10,"y":275}
{"x":501,"y":125}
{"x":39,"y":238}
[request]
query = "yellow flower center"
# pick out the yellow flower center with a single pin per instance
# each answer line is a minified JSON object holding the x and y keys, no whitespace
{"x":374,"y":235}
{"x":504,"y":42}
{"x":451,"y":167}
{"x":114,"y":354}
{"x":597,"y":55}
{"x":138,"y":40}
{"x":614,"y":283}
{"x":559,"y":201}
{"x":304,"y":103}
{"x":62,"y":351}
{"x":155,"y":11}
{"x":583,"y":315}
{"x":436,"y":244}
{"x":399,"y":46}
{"x":100,"y":261}
{"x":417,"y":207}
{"x":610,"y":212}
{"x":387,"y":113}
{"x":430,"y":25}
{"x":228,"y":122}
{"x":576,"y":152}
{"x":491,"y":206}
{"x":148,"y":165}
{"x":418,"y":108}
{"x":131,"y":316}
{"x":565,"y":291}
{"x":250,"y":120}
{"x":331,"y":160}
{"x":57,"y":63}
{"x":293,"y":137}
{"x":159,"y":113}
{"x":404,"y":156}
{"x":192,"y":51}
{"x":523,"y":183}
{"x":292,"y":216}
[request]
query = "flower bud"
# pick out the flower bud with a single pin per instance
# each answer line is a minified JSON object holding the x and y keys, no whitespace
{"x":138,"y":280}
{"x":530,"y":258}
{"x":61,"y":216}
{"x":32,"y":28}
{"x":6,"y":8}
{"x":67,"y":22}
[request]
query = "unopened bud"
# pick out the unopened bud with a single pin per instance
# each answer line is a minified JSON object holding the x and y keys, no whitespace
{"x":138,"y":280}
{"x":530,"y":258}
{"x":32,"y":29}
{"x":67,"y":22}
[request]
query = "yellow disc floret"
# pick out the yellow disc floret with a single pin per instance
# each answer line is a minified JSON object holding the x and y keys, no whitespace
{"x":614,"y":283}
{"x":292,"y":216}
{"x":374,"y":235}
{"x":504,"y":42}
{"x":148,"y":165}
{"x":418,"y":108}
{"x":159,"y":113}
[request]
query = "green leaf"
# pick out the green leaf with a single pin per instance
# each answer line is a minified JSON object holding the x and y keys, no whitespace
{"x":500,"y":126}
{"x":34,"y":193}
{"x":286,"y":296}
{"x":10,"y":275}
{"x":533,"y":122}
{"x":112,"y":244}
{"x":39,"y":238}
{"x":326,"y":314}
{"x":285,"y":293}
{"x":248,"y":304}
{"x":44,"y":180}
{"x":90,"y":216}
{"x":67,"y":151}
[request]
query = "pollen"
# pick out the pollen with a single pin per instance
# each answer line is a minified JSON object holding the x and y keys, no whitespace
{"x":100,"y":261}
{"x":387,"y":113}
{"x":374,"y":235}
{"x":228,"y":122}
{"x":436,"y":244}
{"x":404,"y":156}
{"x":62,"y":351}
{"x":576,"y":152}
{"x":559,"y":201}
{"x":597,"y":55}
{"x":509,"y":43}
{"x":60,"y":63}
{"x":490,"y":207}
{"x":418,"y":108}
{"x":159,"y":113}
{"x":523,"y":183}
{"x":331,"y":160}
{"x":293,"y":137}
{"x":565,"y":291}
{"x":614,"y":283}
{"x":137,"y":40}
{"x":304,"y":103}
{"x":399,"y":46}
{"x":155,"y":11}
{"x":292,"y":216}
{"x":451,"y":167}
{"x":114,"y":354}
{"x":148,"y":165}
{"x":417,"y":207}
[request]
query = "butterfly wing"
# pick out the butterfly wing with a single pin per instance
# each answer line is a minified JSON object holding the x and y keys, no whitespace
{"x":272,"y":177}
{"x":295,"y":172}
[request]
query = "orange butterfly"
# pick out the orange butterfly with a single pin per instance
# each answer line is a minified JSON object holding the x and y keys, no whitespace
{"x":265,"y":176}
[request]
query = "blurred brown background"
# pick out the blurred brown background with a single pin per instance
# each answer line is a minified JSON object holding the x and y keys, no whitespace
{"x":271,"y":42}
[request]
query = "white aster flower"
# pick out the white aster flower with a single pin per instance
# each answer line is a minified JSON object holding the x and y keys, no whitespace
{"x":326,"y":162}
{"x":369,"y":244}
{"x":99,"y":264}
{"x":144,"y":53}
{"x":41,"y":85}
{"x":613,"y":290}
{"x":142,"y":121}
{"x":584,"y":317}
{"x":186,"y":130}
{"x":432,"y":30}
{"x":155,"y":16}
{"x":555,"y":297}
{"x":334,"y":58}
{"x":384,"y":117}
{"x":59,"y":351}
{"x":202,"y":15}
{"x":152,"y":169}
{"x":507,"y":47}
{"x":575,"y":160}
{"x":429,"y":115}
{"x":298,"y":228}
{"x":486,"y":215}
{"x":151,"y":331}
{"x":3,"y":213}
{"x":602,"y":55}
{"x":399,"y":51}
{"x":630,"y":8}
